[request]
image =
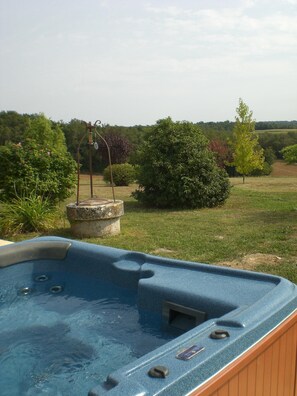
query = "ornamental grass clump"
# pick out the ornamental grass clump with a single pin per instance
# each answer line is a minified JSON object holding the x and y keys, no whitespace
{"x":31,"y":213}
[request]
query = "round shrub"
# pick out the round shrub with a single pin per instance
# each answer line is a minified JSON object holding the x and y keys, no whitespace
{"x":177,"y":170}
{"x":290,"y":154}
{"x":123,"y":174}
{"x":30,"y":167}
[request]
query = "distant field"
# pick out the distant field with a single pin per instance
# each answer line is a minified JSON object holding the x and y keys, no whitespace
{"x":276,"y":130}
{"x":280,"y":168}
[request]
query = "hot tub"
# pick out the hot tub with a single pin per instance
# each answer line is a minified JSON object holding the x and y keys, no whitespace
{"x":82,"y":319}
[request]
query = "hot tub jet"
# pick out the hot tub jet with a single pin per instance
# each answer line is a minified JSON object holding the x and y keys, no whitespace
{"x":41,"y":278}
{"x":56,"y":289}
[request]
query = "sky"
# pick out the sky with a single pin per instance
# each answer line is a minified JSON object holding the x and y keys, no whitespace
{"x":132,"y":62}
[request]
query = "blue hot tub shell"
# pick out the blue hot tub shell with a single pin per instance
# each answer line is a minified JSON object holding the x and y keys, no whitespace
{"x":223,"y":311}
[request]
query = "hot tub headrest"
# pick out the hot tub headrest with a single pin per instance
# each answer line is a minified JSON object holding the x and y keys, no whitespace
{"x":39,"y":250}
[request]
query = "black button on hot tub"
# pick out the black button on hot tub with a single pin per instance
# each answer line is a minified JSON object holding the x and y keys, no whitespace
{"x":219,"y":334}
{"x":158,"y":372}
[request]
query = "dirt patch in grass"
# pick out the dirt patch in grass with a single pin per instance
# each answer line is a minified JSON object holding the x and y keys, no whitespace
{"x":280,"y":169}
{"x":251,"y":261}
{"x":162,"y":251}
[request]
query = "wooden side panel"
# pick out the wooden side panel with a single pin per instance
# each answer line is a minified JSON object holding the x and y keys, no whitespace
{"x":269,"y":368}
{"x":275,"y":368}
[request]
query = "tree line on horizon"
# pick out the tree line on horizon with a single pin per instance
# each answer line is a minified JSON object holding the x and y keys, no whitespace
{"x":124,"y":141}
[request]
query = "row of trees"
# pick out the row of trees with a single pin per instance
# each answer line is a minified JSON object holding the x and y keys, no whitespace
{"x":179,"y":163}
{"x":227,"y":126}
{"x":124,"y":141}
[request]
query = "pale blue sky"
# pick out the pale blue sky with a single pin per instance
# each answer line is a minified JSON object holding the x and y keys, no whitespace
{"x":130,"y":62}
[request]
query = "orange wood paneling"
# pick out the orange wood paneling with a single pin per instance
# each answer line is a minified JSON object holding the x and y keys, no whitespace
{"x":268,"y":369}
{"x":274,"y":368}
{"x":260,"y":375}
{"x":252,"y":375}
{"x":233,"y":385}
{"x":292,"y":346}
{"x":242,"y":382}
{"x":282,"y":367}
{"x":224,"y":390}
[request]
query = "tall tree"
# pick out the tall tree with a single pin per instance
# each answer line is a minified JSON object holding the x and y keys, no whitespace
{"x":120,"y":148}
{"x":12,"y":126}
{"x":247,"y":153}
{"x":46,"y":134}
{"x":38,"y":163}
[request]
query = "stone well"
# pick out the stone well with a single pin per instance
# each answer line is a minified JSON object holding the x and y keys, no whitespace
{"x":95,"y":217}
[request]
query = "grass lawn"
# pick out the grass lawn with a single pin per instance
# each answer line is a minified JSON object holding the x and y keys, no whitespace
{"x":276,"y":130}
{"x":256,"y":228}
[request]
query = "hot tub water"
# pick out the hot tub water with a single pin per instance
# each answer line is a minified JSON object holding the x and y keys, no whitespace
{"x":67,"y":342}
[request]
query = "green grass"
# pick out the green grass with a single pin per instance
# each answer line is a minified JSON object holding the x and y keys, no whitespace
{"x":276,"y":130}
{"x":259,"y":217}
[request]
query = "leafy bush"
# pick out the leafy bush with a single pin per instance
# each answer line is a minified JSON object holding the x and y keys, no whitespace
{"x":222,"y":152}
{"x":269,"y":155}
{"x":123,"y":174}
{"x":45,"y":134}
{"x":290,"y":154}
{"x":29,"y":167}
{"x":265,"y":171}
{"x":26,"y":214}
{"x":178,"y":170}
